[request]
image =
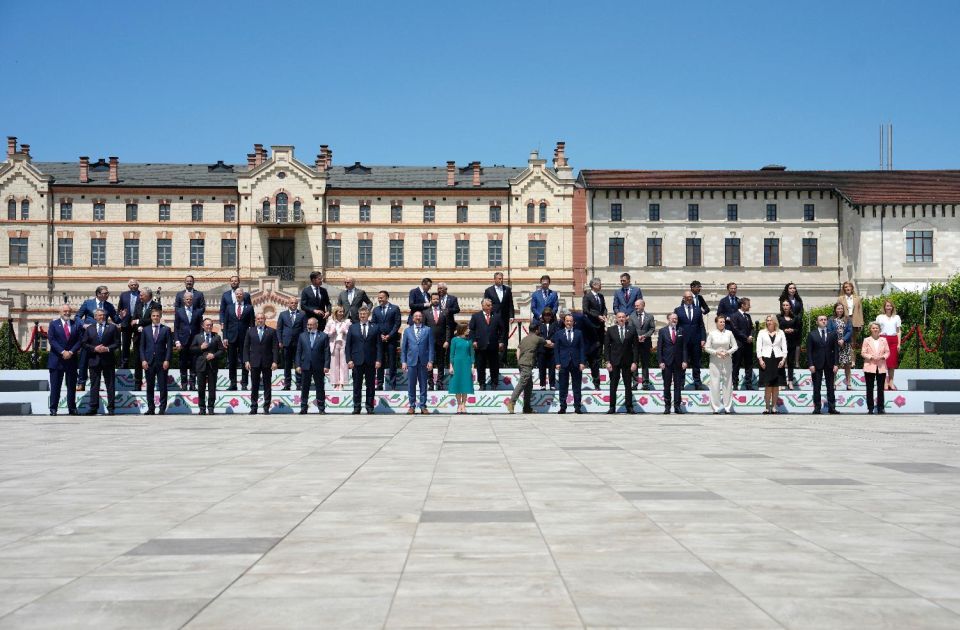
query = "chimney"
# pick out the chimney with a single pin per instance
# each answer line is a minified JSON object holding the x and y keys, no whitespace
{"x":114,"y":170}
{"x":11,"y":146}
{"x":476,"y":173}
{"x":251,"y":161}
{"x":329,"y":158}
{"x":25,"y":150}
{"x":319,"y":162}
{"x":322,"y":158}
{"x":258,"y":151}
{"x":84,"y":169}
{"x":451,"y":173}
{"x":560,"y":158}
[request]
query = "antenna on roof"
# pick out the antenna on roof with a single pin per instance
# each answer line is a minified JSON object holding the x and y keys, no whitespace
{"x":890,"y":148}
{"x":886,"y":147}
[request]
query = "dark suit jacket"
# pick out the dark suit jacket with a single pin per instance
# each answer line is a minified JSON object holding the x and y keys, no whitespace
{"x":199,"y":302}
{"x":819,"y":354}
{"x":669,"y":353}
{"x":309,"y":302}
{"x":452,"y":305}
{"x":504,"y":309}
{"x":621,"y":354}
{"x":316,"y":358}
{"x":58,"y":342}
{"x":201,"y":365}
{"x":155,"y":352}
{"x":388,"y":324}
{"x":592,"y":309}
{"x":261,"y":352}
{"x":569,"y":354}
{"x":417,"y":302}
{"x":360,"y":351}
{"x":226,"y":303}
{"x":85,"y":312}
{"x":546,"y":331}
{"x":693,"y":329}
{"x":699,"y":301}
{"x":741,"y":325}
{"x":184,"y":329}
{"x":352,"y":309}
{"x":726,"y":309}
{"x":110,"y":339}
{"x":234,"y":329}
{"x":440,"y":326}
{"x":289,"y":327}
{"x":133,"y":309}
{"x":142,"y":316}
{"x":484,"y":334}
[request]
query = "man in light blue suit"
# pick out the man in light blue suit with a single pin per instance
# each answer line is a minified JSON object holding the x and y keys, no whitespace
{"x":542,"y":298}
{"x":625,"y":297}
{"x":416,"y":359}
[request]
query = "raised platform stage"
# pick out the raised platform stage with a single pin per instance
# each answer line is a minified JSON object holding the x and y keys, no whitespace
{"x":914,"y":396}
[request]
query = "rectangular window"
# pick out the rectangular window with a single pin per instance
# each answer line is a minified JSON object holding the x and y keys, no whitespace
{"x":429,"y":214}
{"x":462,"y":214}
{"x":228,"y":252}
{"x":197,"y":247}
{"x":616,"y":212}
{"x":164,"y":252}
{"x":694,"y":252}
{"x":615,"y":257}
{"x":132,"y":212}
{"x":771,"y":212}
{"x":163,"y":212}
{"x":809,"y":212}
{"x":693,"y":212}
{"x":543,"y":213}
{"x":98,"y":252}
{"x":494,"y":252}
{"x":537,"y":253}
{"x":531,"y":213}
{"x":332,"y":252}
{"x":99,"y":212}
{"x":429,"y":253}
{"x":396,"y":252}
{"x":365,"y":252}
{"x":733,"y":212}
{"x":131,"y":252}
{"x":731,"y":252}
{"x":462,"y":253}
{"x":65,"y":252}
{"x":654,"y":252}
{"x":333,"y":213}
{"x":229,"y":213}
{"x":494,"y":214}
{"x":653,"y":212}
{"x":771,"y":252}
{"x":396,"y":214}
{"x":66,"y":211}
{"x":809,"y":252}
{"x":25,"y":209}
{"x":18,"y":251}
{"x":365,"y":213}
{"x":196,"y":212}
{"x":919,"y":245}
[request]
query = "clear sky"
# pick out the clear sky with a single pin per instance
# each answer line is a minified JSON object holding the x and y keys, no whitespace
{"x":691,"y":84}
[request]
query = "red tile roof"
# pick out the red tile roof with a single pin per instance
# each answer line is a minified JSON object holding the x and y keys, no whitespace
{"x":860,"y":187}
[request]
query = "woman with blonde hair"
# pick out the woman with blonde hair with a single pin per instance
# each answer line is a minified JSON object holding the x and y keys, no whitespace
{"x":336,"y":329}
{"x":890,"y":329}
{"x":875,"y":352}
{"x":721,"y":345}
{"x":840,"y":324}
{"x":772,"y":354}
{"x":852,"y":308}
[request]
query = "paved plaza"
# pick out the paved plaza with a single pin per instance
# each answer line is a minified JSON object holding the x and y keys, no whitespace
{"x":544,"y":521}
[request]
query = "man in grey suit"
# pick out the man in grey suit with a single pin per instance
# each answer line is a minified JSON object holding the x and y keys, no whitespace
{"x":646,"y":326}
{"x":352,"y":298}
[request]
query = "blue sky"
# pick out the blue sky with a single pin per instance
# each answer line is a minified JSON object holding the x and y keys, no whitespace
{"x":627,"y":85}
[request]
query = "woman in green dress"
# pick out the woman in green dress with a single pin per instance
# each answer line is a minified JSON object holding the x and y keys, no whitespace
{"x":461,"y":367}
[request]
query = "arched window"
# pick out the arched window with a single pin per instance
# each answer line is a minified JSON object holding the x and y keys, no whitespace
{"x":530,"y":213}
{"x":12,"y":210}
{"x":281,"y":207}
{"x":297,"y":211}
{"x":25,"y":209}
{"x":543,"y":212}
{"x":265,"y":215}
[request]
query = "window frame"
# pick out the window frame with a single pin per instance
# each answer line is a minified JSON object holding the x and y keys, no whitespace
{"x":537,"y":253}
{"x":95,"y":260}
{"x":127,"y":244}
{"x":771,"y":252}
{"x":164,"y":252}
{"x":364,"y":253}
{"x":655,"y":245}
{"x":616,"y":251}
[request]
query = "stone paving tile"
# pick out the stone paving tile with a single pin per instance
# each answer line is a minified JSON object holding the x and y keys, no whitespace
{"x":202,"y":546}
{"x":919,"y":468}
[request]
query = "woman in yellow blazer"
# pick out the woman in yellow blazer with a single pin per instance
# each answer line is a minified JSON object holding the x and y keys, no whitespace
{"x":852,"y":309}
{"x":875,"y":351}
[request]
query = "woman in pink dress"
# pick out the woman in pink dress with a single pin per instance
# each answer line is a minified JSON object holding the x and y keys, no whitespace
{"x":336,"y":329}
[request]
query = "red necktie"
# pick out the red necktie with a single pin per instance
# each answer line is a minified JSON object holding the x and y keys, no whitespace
{"x":673,"y":335}
{"x":66,"y":328}
{"x":488,"y":319}
{"x":436,"y":314}
{"x":239,"y":310}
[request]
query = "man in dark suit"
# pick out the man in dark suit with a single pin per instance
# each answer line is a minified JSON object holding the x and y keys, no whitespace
{"x":485,"y":334}
{"x":128,"y":307}
{"x":237,"y":320}
{"x":362,"y":351}
{"x":419,"y":298}
{"x":741,"y":325}
{"x":101,"y":340}
{"x":672,"y":356}
{"x":314,"y":299}
{"x":621,"y":355}
{"x":645,"y":326}
{"x":546,"y":362}
{"x":387,"y":318}
{"x":450,"y":304}
{"x":156,"y":350}
{"x":140,"y":319}
{"x":822,"y":359}
{"x":542,"y":298}
{"x":730,"y":304}
{"x":626,"y":296}
{"x":698,"y":301}
{"x":352,"y":298}
{"x":435,"y":318}
{"x":64,"y":336}
{"x":199,"y":301}
{"x":207,"y":348}
{"x":571,"y":358}
{"x":187,"y":322}
{"x":228,"y":301}
{"x":595,"y":316}
{"x":86,"y":319}
{"x":261,"y":353}
{"x":501,"y":299}
{"x":313,"y":362}
{"x":290,"y":324}
{"x":690,"y":321}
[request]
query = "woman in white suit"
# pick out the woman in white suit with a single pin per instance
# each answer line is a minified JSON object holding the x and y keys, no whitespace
{"x":772,"y":354}
{"x":721,"y":345}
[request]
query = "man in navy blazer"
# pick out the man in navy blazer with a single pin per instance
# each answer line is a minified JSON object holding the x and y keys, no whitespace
{"x":229,"y":299}
{"x":312,"y":358}
{"x":237,"y":319}
{"x":362,"y":351}
{"x":690,"y":320}
{"x":128,"y":309}
{"x":187,"y":322}
{"x":199,"y":301}
{"x":101,"y":340}
{"x":290,"y":324}
{"x":156,"y":351}
{"x":387,"y":318}
{"x":314,"y":299}
{"x":822,"y":359}
{"x":730,"y":303}
{"x":416,"y":359}
{"x":451,"y":305}
{"x":501,"y":298}
{"x":625,"y":297}
{"x":64,"y":337}
{"x":261,"y":353}
{"x":207,"y":347}
{"x":672,"y":356}
{"x":86,"y":319}
{"x":543,"y":297}
{"x":485,"y":333}
{"x":571,"y":358}
{"x":419,"y":298}
{"x":595,"y":316}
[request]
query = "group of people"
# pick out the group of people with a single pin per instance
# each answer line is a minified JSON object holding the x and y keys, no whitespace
{"x":356,"y":340}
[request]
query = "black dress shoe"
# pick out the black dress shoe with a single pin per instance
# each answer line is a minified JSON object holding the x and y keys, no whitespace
{"x":677,"y":409}
{"x":74,"y":412}
{"x":322,"y":411}
{"x":162,"y":411}
{"x":881,"y":410}
{"x":203,"y":411}
{"x":834,"y":412}
{"x":370,"y":411}
{"x":109,"y":412}
{"x":92,"y":412}
{"x":150,"y":412}
{"x":527,"y":411}
{"x":355,"y":412}
{"x":562,"y":410}
{"x":210,"y":411}
{"x":666,"y":411}
{"x":631,"y":410}
{"x":253,"y":411}
{"x":580,"y":410}
{"x":286,"y":388}
{"x":53,"y":413}
{"x":266,"y":410}
{"x":303,"y":412}
{"x":817,"y":412}
{"x":610,"y":412}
